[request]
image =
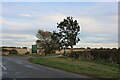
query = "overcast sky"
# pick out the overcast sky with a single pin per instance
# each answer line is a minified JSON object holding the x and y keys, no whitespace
{"x":98,"y":21}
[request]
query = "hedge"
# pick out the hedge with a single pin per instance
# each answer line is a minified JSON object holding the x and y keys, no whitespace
{"x":105,"y":55}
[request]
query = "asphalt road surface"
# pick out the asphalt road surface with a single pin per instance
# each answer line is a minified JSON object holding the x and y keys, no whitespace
{"x":20,"y":67}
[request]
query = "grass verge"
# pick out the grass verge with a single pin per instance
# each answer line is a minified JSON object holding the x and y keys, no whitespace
{"x":84,"y":67}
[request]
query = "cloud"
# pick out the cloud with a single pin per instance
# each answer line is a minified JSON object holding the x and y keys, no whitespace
{"x":54,"y":18}
{"x":102,"y":33}
{"x":1,"y":21}
{"x":88,"y":24}
{"x":25,"y":15}
{"x":16,"y":25}
{"x":18,"y":40}
{"x":91,"y":25}
{"x":18,"y":36}
{"x":47,"y":22}
{"x":97,"y":21}
{"x":17,"y":43}
{"x":94,"y":39}
{"x":97,"y":45}
{"x":49,"y":19}
{"x":60,"y":1}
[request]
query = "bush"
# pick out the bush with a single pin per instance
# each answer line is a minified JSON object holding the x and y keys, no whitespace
{"x":24,"y":47}
{"x":109,"y":55}
{"x":13,"y":51}
{"x":74,"y":55}
{"x":27,"y":53}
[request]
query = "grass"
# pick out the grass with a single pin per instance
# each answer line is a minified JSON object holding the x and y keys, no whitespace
{"x":36,"y":55}
{"x":90,"y":68}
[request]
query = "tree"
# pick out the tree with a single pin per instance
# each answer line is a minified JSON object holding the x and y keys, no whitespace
{"x":68,"y":31}
{"x":55,"y":41}
{"x":44,"y":40}
{"x":88,"y":48}
{"x":47,"y":41}
{"x":24,"y":47}
{"x":119,"y":48}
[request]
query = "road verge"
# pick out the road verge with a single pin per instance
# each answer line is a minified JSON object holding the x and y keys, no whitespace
{"x":89,"y":68}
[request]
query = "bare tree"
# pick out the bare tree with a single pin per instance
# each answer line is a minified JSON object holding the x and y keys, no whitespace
{"x":44,"y":40}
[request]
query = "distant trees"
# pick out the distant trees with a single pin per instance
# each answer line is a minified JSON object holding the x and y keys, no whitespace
{"x":119,"y":48}
{"x":24,"y":47}
{"x":88,"y":48}
{"x":14,"y":47}
{"x":13,"y":51}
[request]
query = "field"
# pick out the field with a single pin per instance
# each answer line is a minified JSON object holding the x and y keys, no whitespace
{"x":91,"y":68}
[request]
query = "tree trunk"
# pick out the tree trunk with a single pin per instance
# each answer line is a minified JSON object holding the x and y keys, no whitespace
{"x":45,"y":52}
{"x":71,"y":49}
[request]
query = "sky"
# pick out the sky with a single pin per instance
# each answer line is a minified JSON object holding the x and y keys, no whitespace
{"x":59,"y":0}
{"x":98,"y":22}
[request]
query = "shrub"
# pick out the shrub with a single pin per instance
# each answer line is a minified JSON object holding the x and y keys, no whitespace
{"x":110,"y":55}
{"x":74,"y":55}
{"x":27,"y":53}
{"x":13,"y":51}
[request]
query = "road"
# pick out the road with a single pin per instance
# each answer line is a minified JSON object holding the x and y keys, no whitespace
{"x":20,"y":67}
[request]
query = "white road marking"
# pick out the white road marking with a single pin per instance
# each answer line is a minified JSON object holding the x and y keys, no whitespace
{"x":3,"y":67}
